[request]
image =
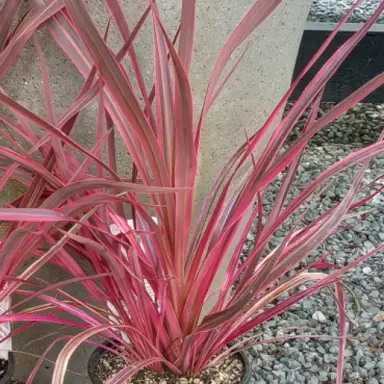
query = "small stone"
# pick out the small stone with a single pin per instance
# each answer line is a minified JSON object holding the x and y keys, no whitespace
{"x":323,"y":376}
{"x":268,"y":377}
{"x":368,"y":246}
{"x":363,"y":373}
{"x":313,"y":380}
{"x":379,"y":317}
{"x":367,"y":271}
{"x":359,"y":356}
{"x":334,"y":349}
{"x":373,"y":381}
{"x":293,"y":365}
{"x":329,"y":358}
{"x":272,"y":323}
{"x":380,"y":367}
{"x":266,"y":358}
{"x":321,"y":350}
{"x":281,"y":375}
{"x":348,"y":352}
{"x":369,"y":365}
{"x":251,"y":236}
{"x":319,"y":316}
{"x":375,"y":294}
{"x":278,"y":367}
{"x":291,"y":378}
{"x":354,"y":376}
{"x":373,"y":310}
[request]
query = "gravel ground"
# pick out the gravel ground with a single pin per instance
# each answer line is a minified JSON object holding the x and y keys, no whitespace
{"x":333,"y":10}
{"x":309,"y":360}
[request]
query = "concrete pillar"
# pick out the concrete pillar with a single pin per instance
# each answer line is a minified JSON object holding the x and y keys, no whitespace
{"x":256,"y":87}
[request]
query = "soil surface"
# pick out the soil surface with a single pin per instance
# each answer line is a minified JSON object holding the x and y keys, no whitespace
{"x":229,"y":371}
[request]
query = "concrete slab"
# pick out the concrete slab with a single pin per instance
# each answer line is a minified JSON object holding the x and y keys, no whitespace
{"x":362,"y":65}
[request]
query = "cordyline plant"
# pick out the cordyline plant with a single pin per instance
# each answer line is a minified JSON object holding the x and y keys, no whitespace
{"x":152,"y":276}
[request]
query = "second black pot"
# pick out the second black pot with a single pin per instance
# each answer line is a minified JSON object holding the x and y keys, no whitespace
{"x":7,"y":377}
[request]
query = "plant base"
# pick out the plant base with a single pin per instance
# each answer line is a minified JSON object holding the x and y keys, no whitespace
{"x":235,"y":370}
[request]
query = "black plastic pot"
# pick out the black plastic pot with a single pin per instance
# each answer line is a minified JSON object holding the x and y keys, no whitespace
{"x":92,"y":363}
{"x":98,"y":352}
{"x":7,"y":377}
{"x":247,"y":368}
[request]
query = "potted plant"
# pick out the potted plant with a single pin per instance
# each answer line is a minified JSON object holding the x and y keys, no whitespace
{"x":151,"y":285}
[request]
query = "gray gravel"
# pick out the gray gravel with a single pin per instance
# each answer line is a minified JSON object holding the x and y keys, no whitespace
{"x":333,"y":10}
{"x":313,"y":361}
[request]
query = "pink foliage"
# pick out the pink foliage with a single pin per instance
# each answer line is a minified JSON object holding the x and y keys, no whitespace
{"x":152,"y":278}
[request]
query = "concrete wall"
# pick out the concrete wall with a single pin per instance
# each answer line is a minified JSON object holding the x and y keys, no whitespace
{"x":254,"y":90}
